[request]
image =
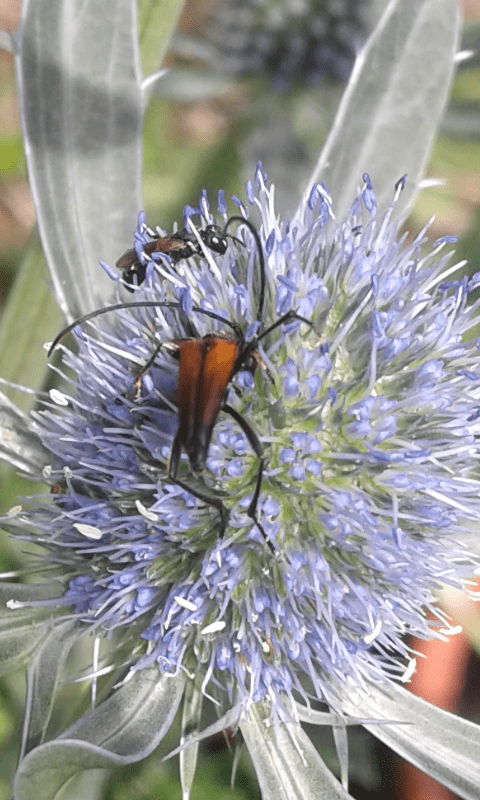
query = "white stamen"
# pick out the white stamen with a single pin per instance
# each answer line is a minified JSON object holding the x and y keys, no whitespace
{"x":369,"y":638}
{"x":464,"y":55}
{"x":89,"y":531}
{"x":58,"y":397}
{"x":14,"y":604}
{"x":412,"y":666}
{"x":214,"y":627}
{"x":185,"y":603}
{"x":145,"y":512}
{"x":451,"y":631}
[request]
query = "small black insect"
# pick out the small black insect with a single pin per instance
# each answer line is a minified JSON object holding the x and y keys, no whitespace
{"x":178,"y":246}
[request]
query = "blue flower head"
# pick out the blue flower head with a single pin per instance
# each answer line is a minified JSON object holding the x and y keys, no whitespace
{"x":290,"y":42}
{"x":367,"y":418}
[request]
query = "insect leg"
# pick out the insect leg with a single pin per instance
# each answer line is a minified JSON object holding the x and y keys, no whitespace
{"x":252,"y":508}
{"x":146,"y":367}
{"x":252,"y":437}
{"x":290,"y":315}
{"x":211,"y":501}
{"x":257,"y":447}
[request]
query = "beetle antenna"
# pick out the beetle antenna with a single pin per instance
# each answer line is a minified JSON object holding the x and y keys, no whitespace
{"x":100,"y":311}
{"x":138,"y":304}
{"x":261,"y":258}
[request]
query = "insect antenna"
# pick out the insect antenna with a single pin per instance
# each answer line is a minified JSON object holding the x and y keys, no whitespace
{"x":261,"y":259}
{"x":138,"y":304}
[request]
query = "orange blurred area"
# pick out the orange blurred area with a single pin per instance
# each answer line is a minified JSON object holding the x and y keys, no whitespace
{"x":471,"y":8}
{"x":440,"y":679}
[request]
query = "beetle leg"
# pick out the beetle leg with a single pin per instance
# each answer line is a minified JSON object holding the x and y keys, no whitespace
{"x":210,"y":501}
{"x":138,"y":380}
{"x":257,"y":447}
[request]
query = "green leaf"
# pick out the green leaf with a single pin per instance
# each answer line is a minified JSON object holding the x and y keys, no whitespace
{"x":191,"y":717}
{"x":6,"y":42}
{"x":227,"y":720}
{"x":186,"y":85}
{"x":286,"y":762}
{"x":471,"y":43}
{"x":43,"y":676}
{"x":391,"y":109}
{"x":11,"y":153}
{"x":462,"y":120}
{"x":157,"y":20}
{"x":122,"y":730}
{"x":90,"y":784}
{"x":341,"y":746}
{"x":444,"y":746}
{"x":45,"y":770}
{"x":81,"y":110}
{"x":135,"y":716}
{"x":26,"y":593}
{"x":30,"y":318}
{"x":23,"y":628}
{"x":19,"y":446}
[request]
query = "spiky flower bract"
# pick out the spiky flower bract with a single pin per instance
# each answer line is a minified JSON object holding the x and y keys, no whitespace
{"x":369,"y":437}
{"x":301,"y":43}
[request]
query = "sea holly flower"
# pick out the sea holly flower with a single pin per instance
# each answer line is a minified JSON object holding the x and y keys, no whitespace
{"x":289,"y":43}
{"x":367,"y":417}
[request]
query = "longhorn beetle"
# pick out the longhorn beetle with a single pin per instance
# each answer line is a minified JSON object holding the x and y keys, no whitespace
{"x":178,"y":246}
{"x":207,"y":364}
